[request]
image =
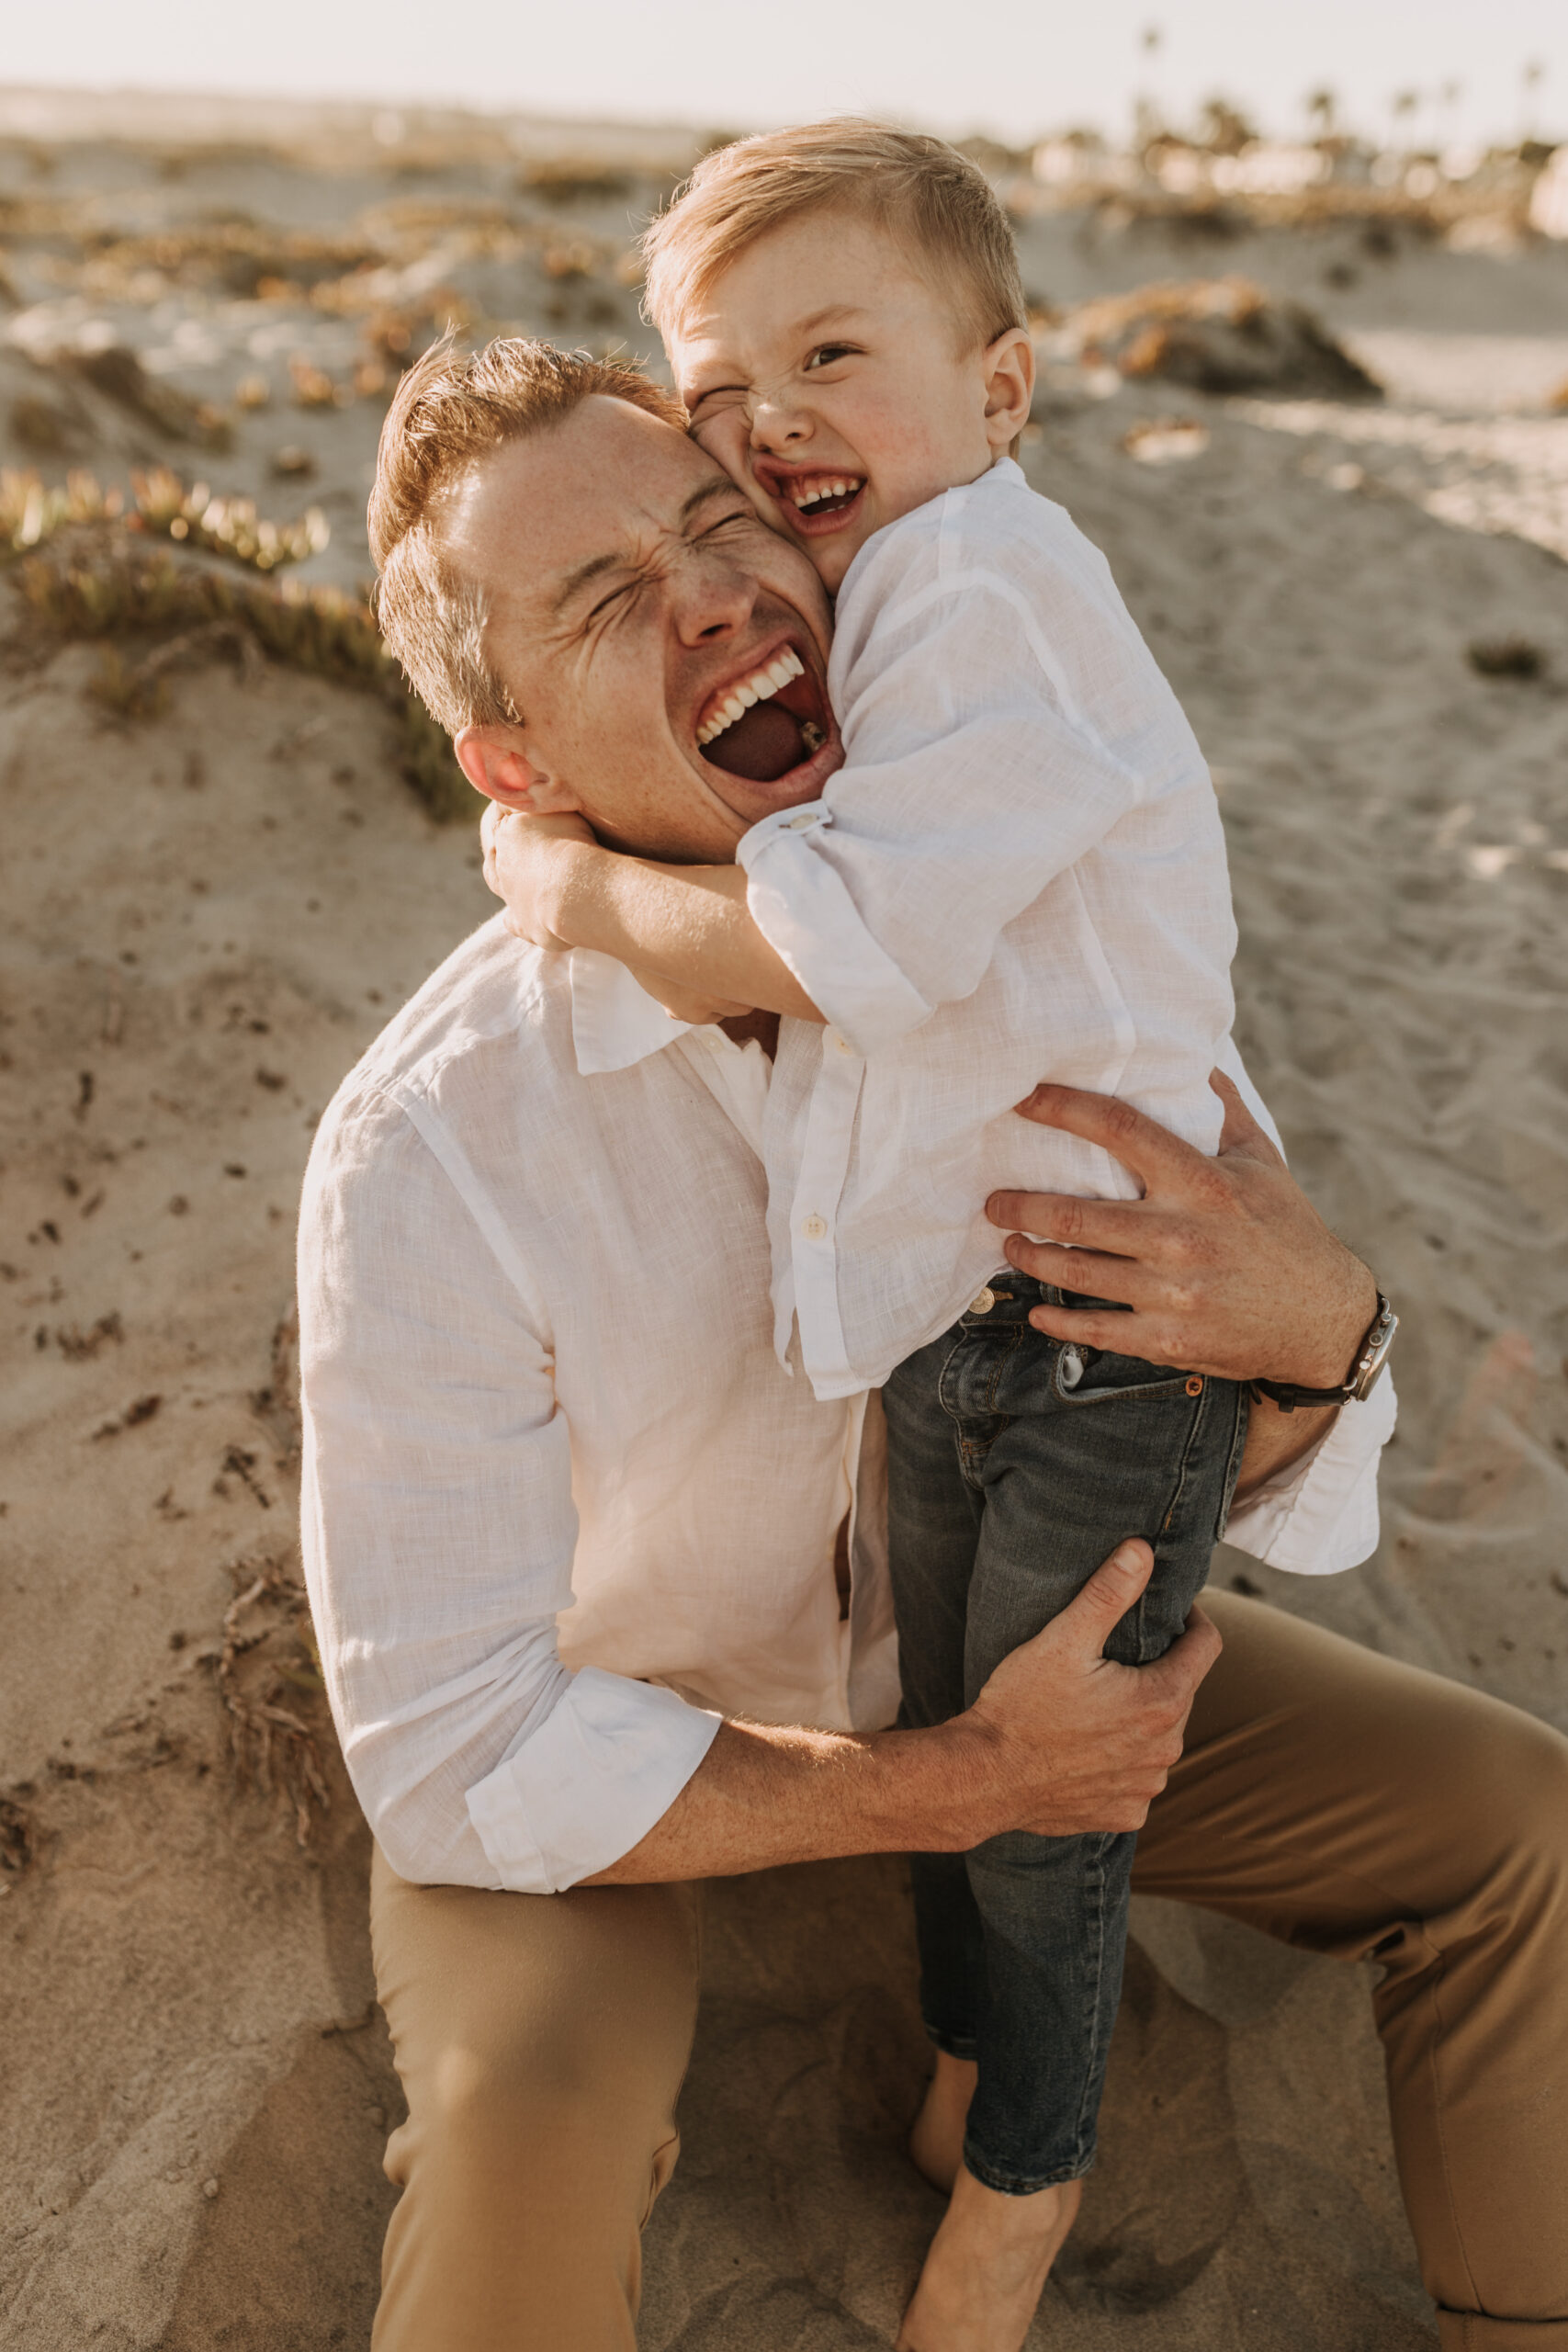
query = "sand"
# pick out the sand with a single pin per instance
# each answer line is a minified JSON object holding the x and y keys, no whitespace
{"x":209,"y":915}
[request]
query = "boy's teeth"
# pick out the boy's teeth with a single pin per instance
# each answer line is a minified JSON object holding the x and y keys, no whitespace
{"x":758,"y":687}
{"x":837,"y":488}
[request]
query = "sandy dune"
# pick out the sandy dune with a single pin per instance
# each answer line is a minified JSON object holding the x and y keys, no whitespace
{"x":209,"y":913}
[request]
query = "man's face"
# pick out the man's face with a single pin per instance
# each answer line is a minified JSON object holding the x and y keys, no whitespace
{"x":666,"y":650}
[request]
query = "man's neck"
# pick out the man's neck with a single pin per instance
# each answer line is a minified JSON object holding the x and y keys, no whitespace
{"x":762,"y":1026}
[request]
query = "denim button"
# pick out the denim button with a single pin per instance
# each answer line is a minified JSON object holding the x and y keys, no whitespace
{"x":1070,"y":1370}
{"x":982,"y":1301}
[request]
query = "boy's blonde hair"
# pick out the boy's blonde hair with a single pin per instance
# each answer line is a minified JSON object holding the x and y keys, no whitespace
{"x":452,"y":407}
{"x":940,"y":207}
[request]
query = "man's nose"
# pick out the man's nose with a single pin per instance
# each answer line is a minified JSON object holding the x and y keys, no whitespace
{"x":713,"y":598}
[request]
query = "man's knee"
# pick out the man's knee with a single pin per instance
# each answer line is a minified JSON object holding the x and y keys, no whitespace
{"x":1526,"y":1793}
{"x":551,"y":2029}
{"x":537,"y":2075}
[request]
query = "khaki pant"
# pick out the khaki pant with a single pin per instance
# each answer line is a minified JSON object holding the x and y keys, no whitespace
{"x":1338,"y":1801}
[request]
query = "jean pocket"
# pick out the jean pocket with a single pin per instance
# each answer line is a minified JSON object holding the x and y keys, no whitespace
{"x":1096,"y":1377}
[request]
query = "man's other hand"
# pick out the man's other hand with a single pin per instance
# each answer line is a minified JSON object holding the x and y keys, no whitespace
{"x":521,"y":862}
{"x":1065,"y":1740}
{"x":1226,"y":1266}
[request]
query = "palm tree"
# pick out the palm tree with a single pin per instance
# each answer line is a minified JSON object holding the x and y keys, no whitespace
{"x":1322,"y":107}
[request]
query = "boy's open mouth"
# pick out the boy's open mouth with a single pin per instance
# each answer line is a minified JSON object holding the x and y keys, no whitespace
{"x":771,"y":718}
{"x":815,"y":501}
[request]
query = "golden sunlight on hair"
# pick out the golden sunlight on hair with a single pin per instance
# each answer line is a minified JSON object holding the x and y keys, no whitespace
{"x":451,"y":408}
{"x":940,"y":206}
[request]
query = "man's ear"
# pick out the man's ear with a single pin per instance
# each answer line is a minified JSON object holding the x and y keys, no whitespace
{"x":1008,"y":365}
{"x":496,"y":763}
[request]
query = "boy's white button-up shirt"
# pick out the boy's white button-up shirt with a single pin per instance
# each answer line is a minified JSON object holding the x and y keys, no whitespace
{"x":1019,"y":873}
{"x":563,"y":1507}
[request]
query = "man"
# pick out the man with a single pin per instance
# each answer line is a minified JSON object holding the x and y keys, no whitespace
{"x":572,"y":1533}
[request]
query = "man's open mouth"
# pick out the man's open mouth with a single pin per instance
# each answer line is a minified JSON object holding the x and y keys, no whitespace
{"x":771,"y":719}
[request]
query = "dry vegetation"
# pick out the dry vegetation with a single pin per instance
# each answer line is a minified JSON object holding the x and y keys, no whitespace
{"x":86,"y":573}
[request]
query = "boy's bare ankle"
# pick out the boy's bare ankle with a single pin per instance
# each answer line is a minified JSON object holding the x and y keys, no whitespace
{"x":988,"y":2267}
{"x":936,"y":2140}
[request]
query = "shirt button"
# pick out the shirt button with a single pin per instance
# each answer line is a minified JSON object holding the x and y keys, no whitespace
{"x":798,"y":824}
{"x":814,"y":1227}
{"x":982,"y":1301}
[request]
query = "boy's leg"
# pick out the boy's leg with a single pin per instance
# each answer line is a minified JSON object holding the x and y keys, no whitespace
{"x":541,"y":2040}
{"x":933,"y":1524}
{"x":1351,"y":1806}
{"x":1088,"y":1452}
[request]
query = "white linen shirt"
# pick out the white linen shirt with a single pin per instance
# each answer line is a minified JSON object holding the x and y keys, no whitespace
{"x":563,"y":1507}
{"x":1019,"y":873}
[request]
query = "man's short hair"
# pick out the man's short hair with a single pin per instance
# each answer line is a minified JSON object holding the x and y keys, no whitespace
{"x":939,"y":206}
{"x":452,"y":408}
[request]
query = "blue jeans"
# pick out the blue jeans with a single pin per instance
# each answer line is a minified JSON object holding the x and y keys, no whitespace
{"x":1016,"y":1463}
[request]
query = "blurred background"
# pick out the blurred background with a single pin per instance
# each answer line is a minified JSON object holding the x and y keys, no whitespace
{"x":1427,"y":77}
{"x":1298,"y":288}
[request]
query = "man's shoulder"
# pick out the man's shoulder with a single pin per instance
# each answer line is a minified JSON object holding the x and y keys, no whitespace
{"x":494,"y":1014}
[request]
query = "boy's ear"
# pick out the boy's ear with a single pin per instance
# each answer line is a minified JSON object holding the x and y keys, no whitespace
{"x":1008,"y":365}
{"x":496,"y":763}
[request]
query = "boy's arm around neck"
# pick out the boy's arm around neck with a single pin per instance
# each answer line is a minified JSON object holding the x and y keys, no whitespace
{"x":688,"y":925}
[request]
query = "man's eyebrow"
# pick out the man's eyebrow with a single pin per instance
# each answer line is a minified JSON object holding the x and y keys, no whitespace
{"x":583,"y":575}
{"x":719,"y":487}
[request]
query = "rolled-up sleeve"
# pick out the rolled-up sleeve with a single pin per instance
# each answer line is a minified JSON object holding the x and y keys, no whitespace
{"x":438,"y":1533}
{"x":1320,"y":1516}
{"x":886,"y":899}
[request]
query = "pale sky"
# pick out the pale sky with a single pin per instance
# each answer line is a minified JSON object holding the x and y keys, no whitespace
{"x":1014,"y":66}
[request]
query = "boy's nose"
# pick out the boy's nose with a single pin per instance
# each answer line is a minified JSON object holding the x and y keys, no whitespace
{"x":778,"y":422}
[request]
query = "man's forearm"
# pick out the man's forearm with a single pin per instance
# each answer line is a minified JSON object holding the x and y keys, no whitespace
{"x":1060,"y":1740}
{"x":1276,"y":1438}
{"x":689,"y":923}
{"x":762,"y":1796}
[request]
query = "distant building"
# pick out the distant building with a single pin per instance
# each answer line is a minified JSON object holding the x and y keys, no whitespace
{"x":1548,"y":196}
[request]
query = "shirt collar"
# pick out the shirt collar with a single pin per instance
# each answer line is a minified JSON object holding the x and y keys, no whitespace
{"x":613,"y":1022}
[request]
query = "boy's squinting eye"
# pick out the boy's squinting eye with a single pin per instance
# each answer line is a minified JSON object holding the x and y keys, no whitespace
{"x":826,"y":353}
{"x":721,"y":396}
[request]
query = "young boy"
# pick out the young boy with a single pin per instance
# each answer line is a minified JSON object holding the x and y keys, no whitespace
{"x":1021,"y":850}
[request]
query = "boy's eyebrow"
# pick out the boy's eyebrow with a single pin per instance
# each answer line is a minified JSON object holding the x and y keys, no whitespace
{"x":582,"y":575}
{"x":823,"y":318}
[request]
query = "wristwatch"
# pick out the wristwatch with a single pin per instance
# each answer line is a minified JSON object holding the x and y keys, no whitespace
{"x":1372,"y":1355}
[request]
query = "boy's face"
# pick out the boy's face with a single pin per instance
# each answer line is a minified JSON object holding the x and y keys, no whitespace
{"x":830,"y":380}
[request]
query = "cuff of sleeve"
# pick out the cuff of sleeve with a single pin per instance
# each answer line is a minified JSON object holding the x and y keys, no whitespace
{"x":587,"y":1786}
{"x":1320,"y":1517}
{"x":802,"y":907}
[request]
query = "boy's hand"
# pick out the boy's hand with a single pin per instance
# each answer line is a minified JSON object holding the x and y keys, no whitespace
{"x":686,"y":1004}
{"x":521,"y":863}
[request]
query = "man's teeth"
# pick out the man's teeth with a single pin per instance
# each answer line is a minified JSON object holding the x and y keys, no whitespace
{"x":756,"y":688}
{"x":819,"y":491}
